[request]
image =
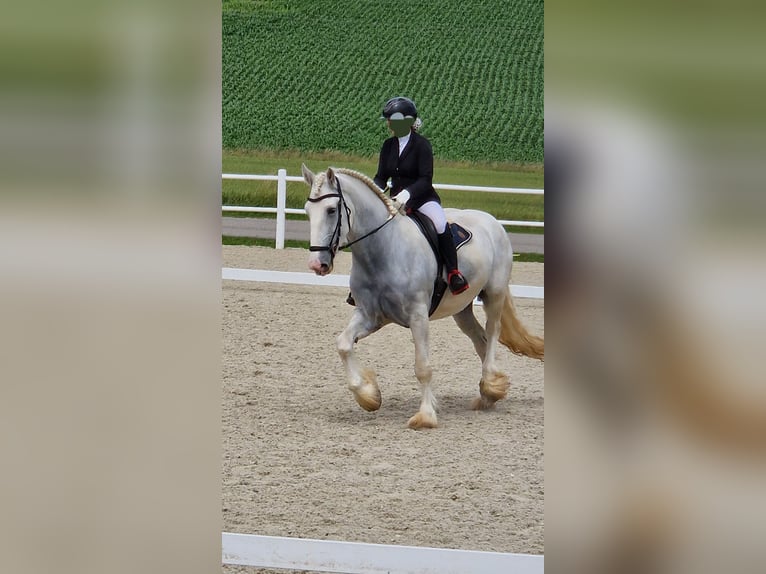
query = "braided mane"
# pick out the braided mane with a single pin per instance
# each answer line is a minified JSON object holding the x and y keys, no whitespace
{"x":371,"y":184}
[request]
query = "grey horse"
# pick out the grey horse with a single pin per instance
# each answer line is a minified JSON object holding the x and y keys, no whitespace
{"x":392,"y":280}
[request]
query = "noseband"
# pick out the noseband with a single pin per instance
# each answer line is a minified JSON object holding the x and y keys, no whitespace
{"x":333,"y":247}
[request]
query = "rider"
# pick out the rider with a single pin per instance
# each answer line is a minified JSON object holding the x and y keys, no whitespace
{"x":407,"y":159}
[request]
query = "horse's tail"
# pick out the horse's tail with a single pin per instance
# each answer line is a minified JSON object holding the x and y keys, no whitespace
{"x":515,"y":336}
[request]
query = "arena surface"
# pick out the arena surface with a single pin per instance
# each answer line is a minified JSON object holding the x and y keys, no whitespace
{"x":302,"y":459}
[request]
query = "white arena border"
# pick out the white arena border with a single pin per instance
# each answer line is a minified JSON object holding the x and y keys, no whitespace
{"x":265,"y":276}
{"x":363,"y":558}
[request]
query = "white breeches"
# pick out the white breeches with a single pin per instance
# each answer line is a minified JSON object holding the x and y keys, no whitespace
{"x":435,"y":213}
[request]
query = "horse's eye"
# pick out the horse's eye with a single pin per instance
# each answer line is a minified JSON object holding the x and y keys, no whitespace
{"x":331,"y":211}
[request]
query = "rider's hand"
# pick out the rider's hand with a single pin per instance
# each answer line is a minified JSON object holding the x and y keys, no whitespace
{"x":401,"y":199}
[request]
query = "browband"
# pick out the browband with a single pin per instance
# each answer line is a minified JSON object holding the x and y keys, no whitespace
{"x":321,"y":197}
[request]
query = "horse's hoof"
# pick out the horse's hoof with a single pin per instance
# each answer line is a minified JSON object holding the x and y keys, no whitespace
{"x":368,"y":397}
{"x":368,"y":394}
{"x":422,"y":421}
{"x":368,"y":402}
{"x":494,"y":386}
{"x":482,"y":404}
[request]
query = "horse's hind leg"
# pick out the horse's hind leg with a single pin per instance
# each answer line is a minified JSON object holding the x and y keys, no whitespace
{"x":468,"y":324}
{"x":361,"y":382}
{"x":426,"y":415}
{"x":494,"y":384}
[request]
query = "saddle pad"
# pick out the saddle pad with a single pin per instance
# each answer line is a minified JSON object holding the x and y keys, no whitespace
{"x":460,"y":235}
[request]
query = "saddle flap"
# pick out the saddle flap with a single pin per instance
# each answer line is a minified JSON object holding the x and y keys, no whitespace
{"x":426,"y":227}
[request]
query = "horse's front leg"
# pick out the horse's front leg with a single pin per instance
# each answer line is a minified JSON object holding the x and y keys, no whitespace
{"x":426,"y":415}
{"x":361,"y":382}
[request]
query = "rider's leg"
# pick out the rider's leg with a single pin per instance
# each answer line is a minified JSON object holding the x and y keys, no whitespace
{"x":434,"y":211}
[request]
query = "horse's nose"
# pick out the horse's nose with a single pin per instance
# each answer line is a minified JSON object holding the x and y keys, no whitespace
{"x":319,"y":267}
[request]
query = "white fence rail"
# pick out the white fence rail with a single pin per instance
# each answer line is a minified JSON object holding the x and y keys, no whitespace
{"x":281,"y":210}
{"x":296,"y":278}
{"x":363,"y":558}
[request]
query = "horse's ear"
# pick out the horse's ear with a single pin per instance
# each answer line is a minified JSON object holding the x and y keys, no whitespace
{"x":308,"y":175}
{"x":331,"y":176}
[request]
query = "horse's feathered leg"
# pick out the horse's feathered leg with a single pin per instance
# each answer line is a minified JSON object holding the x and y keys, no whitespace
{"x":426,"y":415}
{"x":494,"y":384}
{"x":361,"y":382}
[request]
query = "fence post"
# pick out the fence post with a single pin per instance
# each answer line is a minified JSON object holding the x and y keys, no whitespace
{"x":281,"y":203}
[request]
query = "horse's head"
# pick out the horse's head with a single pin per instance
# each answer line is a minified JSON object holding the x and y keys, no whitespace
{"x":328,"y":216}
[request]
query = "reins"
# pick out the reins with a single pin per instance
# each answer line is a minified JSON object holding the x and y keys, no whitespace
{"x":333,"y":247}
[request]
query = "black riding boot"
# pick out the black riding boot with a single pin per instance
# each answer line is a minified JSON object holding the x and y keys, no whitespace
{"x":457,"y":283}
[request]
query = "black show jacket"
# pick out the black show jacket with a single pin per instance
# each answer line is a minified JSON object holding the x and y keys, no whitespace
{"x":413,"y":170}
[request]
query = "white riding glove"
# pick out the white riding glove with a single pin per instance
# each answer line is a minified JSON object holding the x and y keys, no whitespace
{"x":401,"y":199}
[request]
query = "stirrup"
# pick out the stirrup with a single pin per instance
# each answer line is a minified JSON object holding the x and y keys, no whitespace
{"x":350,"y":300}
{"x":457,"y":283}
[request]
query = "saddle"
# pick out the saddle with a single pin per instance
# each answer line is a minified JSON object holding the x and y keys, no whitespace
{"x":460,"y":235}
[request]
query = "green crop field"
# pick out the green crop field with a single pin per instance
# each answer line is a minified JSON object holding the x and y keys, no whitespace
{"x":307,"y":76}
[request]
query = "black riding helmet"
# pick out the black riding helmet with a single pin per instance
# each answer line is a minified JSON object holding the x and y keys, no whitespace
{"x":399,"y":108}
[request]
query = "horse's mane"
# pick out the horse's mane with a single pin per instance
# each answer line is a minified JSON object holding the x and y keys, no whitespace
{"x":371,"y":184}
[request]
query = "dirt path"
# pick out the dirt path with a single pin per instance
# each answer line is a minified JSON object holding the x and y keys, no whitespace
{"x":301,"y":459}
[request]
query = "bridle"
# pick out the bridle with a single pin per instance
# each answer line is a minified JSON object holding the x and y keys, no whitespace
{"x":334,"y":246}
